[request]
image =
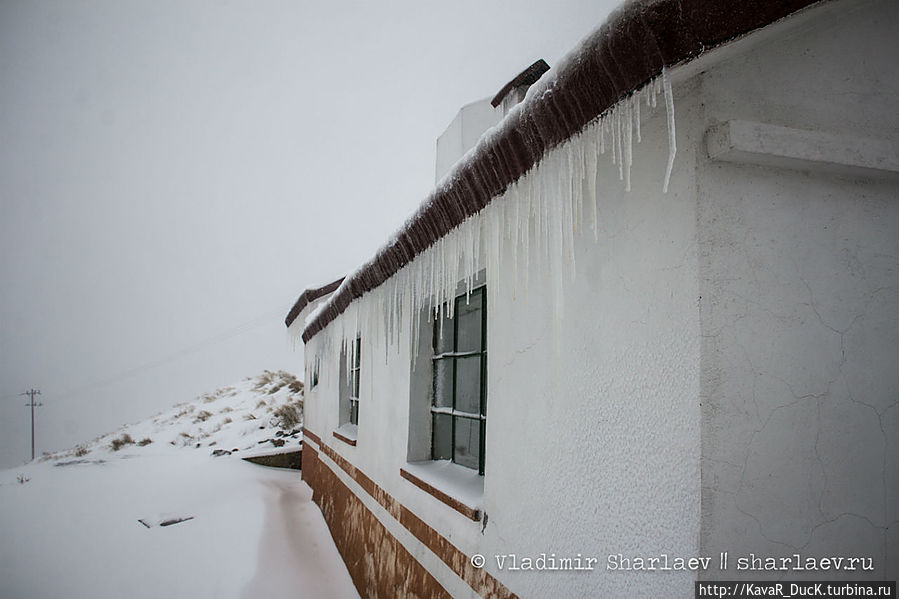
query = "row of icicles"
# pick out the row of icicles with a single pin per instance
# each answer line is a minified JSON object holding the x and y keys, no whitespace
{"x":548,"y":201}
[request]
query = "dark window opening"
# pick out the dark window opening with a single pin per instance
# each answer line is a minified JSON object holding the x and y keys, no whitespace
{"x":459,"y":406}
{"x":354,"y":383}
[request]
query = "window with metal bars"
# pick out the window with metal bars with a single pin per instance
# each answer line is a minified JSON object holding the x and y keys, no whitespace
{"x":354,"y":382}
{"x":459,"y":405}
{"x":316,"y":366}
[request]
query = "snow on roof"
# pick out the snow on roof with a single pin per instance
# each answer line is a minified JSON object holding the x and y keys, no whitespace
{"x":631,"y":48}
{"x":529,"y":76}
{"x":309,"y":296}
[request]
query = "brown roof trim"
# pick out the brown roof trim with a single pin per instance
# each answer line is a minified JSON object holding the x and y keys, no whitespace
{"x":529,"y":76}
{"x":309,"y":296}
{"x":628,"y":50}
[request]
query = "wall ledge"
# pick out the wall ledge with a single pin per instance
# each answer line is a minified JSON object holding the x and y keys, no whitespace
{"x":345,"y":439}
{"x":763,"y":144}
{"x":467,"y":511}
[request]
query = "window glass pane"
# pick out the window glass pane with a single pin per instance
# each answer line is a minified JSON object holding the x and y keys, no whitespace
{"x":355,"y":392}
{"x":468,"y":384}
{"x":443,"y":383}
{"x":443,"y":437}
{"x":467,"y":446}
{"x":443,"y":335}
{"x":468,"y":315}
{"x":354,"y":412}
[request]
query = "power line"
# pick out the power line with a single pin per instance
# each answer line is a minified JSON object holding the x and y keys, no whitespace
{"x":33,"y":405}
{"x":162,"y":361}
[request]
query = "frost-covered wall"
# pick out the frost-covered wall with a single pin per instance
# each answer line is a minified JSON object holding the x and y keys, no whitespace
{"x":799,"y":271}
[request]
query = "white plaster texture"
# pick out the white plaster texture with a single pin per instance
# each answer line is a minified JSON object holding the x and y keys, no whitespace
{"x":593,"y":432}
{"x":798,"y":268}
{"x":724,"y":377}
{"x":593,"y":420}
{"x":463,"y":133}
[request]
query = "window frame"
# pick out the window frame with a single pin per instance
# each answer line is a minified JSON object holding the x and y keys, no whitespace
{"x":454,"y":356}
{"x":316,"y":366}
{"x":353,"y":389}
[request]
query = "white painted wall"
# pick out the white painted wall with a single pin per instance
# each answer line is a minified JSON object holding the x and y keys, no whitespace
{"x":724,"y":378}
{"x":463,"y":133}
{"x":799,"y":305}
{"x":593,"y":423}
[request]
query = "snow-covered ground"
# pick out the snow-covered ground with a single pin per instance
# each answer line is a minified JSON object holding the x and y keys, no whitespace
{"x":93,"y":521}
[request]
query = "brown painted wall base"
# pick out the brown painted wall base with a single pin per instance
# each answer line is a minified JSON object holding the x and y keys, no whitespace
{"x":378,"y":564}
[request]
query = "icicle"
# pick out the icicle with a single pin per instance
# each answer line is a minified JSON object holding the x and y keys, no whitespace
{"x":514,"y":233}
{"x":500,"y":227}
{"x":592,"y":159}
{"x":612,"y":135}
{"x":618,"y":141}
{"x":636,"y":99}
{"x":672,"y":142}
{"x":577,"y":181}
{"x":537,"y":219}
{"x":602,"y":135}
{"x":628,"y":145}
{"x":525,"y":228}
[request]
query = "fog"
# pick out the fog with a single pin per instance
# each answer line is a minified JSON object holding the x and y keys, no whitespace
{"x":173,"y":175}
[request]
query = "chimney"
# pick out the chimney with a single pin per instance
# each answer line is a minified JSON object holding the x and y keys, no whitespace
{"x":474,"y":119}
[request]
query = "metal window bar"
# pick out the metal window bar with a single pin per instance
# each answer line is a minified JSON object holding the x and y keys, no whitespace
{"x":354,"y":382}
{"x":454,"y":356}
{"x":316,"y":365}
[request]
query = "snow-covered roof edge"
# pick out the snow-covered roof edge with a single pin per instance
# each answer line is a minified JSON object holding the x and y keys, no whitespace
{"x":528,"y":77}
{"x":309,"y":296}
{"x":630,"y":48}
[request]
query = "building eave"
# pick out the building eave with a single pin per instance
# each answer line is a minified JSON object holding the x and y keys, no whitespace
{"x":631,"y":48}
{"x":308,"y":296}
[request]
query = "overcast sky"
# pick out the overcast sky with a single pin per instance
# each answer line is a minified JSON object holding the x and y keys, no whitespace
{"x":173,"y":174}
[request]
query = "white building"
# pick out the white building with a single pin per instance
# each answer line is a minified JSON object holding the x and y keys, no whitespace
{"x":630,"y":372}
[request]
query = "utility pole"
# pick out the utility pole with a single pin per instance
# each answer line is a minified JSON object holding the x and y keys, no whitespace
{"x":33,"y":405}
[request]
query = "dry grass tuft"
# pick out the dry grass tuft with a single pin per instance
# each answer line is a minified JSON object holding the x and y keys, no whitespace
{"x":121,"y":442}
{"x":202,"y":416}
{"x":289,"y":415}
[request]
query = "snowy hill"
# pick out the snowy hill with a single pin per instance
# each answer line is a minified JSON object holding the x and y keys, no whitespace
{"x":150,"y":511}
{"x":262,"y":412}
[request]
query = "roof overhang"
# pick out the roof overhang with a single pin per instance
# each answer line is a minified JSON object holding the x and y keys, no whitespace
{"x":632,"y":47}
{"x":308,"y":297}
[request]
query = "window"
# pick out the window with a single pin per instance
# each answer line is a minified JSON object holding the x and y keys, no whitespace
{"x":353,"y":396}
{"x":459,"y":404}
{"x":316,"y":362}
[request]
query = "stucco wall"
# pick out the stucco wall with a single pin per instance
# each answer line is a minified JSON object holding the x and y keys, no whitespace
{"x":724,"y":377}
{"x":463,"y":133}
{"x":593,"y":421}
{"x":799,"y":307}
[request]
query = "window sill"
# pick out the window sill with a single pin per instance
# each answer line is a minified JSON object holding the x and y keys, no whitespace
{"x":458,"y":487}
{"x":346,"y":433}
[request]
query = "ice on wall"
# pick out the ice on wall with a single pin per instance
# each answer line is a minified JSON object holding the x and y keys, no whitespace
{"x":538,"y":215}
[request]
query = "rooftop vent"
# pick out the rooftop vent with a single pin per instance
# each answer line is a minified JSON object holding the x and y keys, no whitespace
{"x":513,"y":92}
